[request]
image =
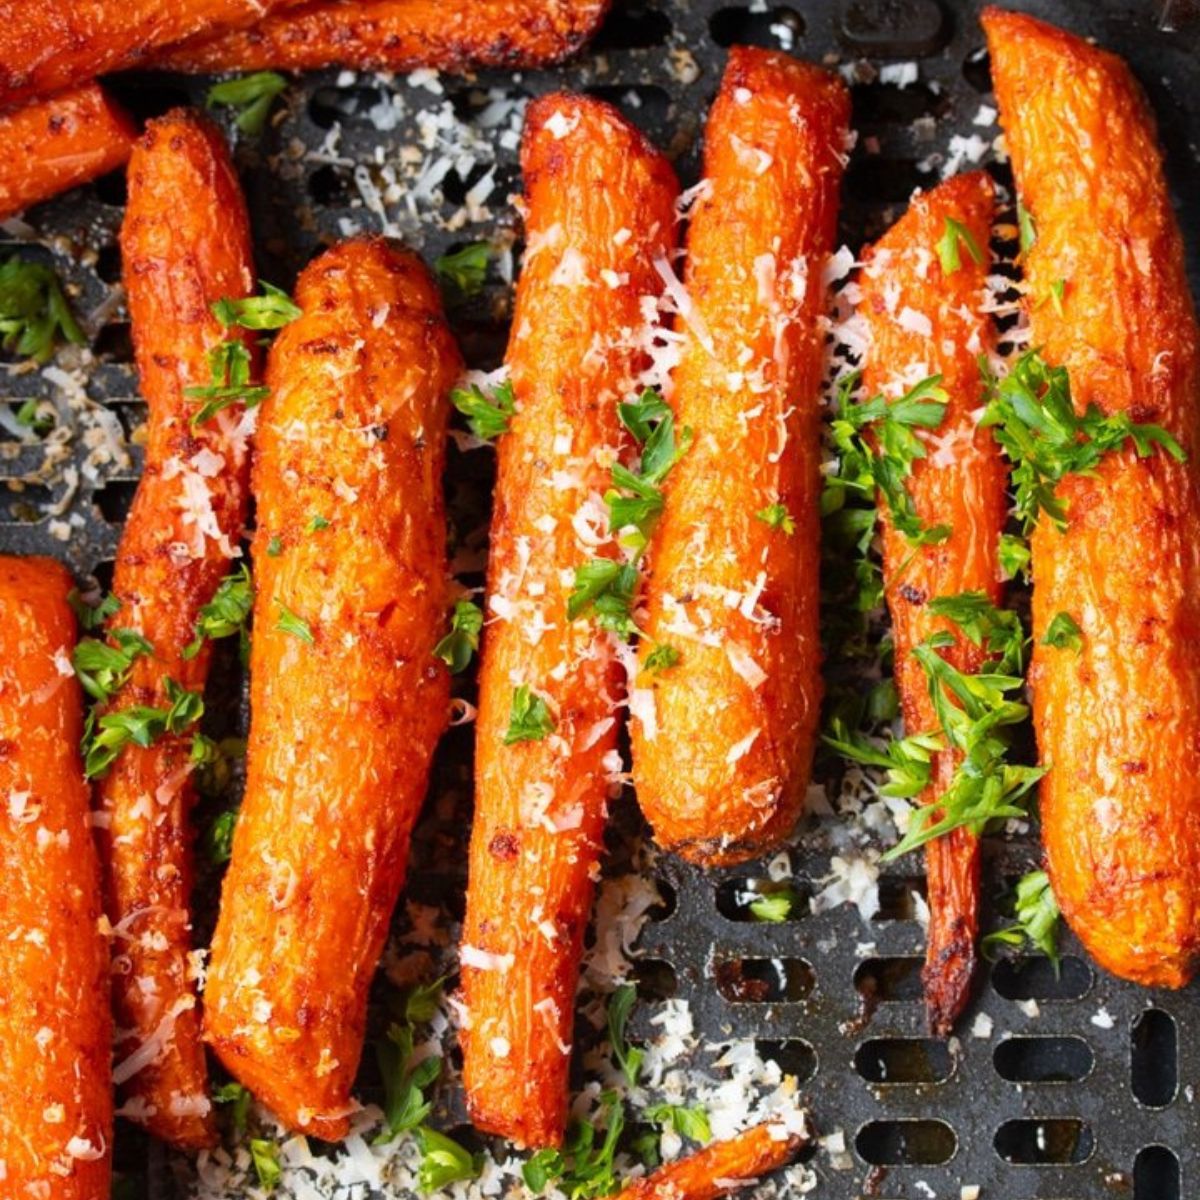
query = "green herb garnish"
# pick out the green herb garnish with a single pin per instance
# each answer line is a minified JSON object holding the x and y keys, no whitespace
{"x":629,"y":1058}
{"x":582,"y":1169}
{"x":251,"y":95}
{"x":457,"y":647}
{"x":1037,"y":914}
{"x":1063,"y":633}
{"x":465,"y":270}
{"x":226,"y":614}
{"x":289,"y":622}
{"x":955,"y":235}
{"x":777,"y":517}
{"x":34,"y":313}
{"x":272,"y":310}
{"x":229,"y":374}
{"x":487,"y":415}
{"x":529,"y":719}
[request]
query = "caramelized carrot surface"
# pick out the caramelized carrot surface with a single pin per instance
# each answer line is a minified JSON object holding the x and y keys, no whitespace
{"x":185,"y":244}
{"x":723,"y":741}
{"x":56,"y":1110}
{"x":347,"y":699}
{"x":721,"y":1167}
{"x":400,"y":35}
{"x":1118,"y":722}
{"x":56,"y":144}
{"x":599,"y":214}
{"x":46,"y":48}
{"x":925,"y":320}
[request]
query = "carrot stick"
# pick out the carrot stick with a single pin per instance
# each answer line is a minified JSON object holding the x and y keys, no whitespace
{"x":599,"y":214}
{"x":347,"y":698}
{"x":46,"y":48}
{"x":923,"y":320}
{"x":1118,"y":717}
{"x":185,"y":244}
{"x":721,"y":1167}
{"x":56,"y":1111}
{"x":400,"y":35}
{"x":60,"y":143}
{"x":723,"y":740}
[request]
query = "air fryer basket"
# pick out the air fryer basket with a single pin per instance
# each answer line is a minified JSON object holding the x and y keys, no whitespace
{"x":1075,"y":1087}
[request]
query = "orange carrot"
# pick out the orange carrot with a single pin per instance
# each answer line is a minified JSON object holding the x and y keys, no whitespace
{"x":185,"y":244}
{"x":400,"y":35}
{"x":926,"y":320}
{"x":347,"y":698}
{"x":723,"y":740}
{"x":1118,"y":718}
{"x":56,"y":144}
{"x":599,"y":214}
{"x":56,"y":1111}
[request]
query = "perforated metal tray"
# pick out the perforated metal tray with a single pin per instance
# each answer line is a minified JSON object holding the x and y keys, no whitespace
{"x":1083,"y":1090}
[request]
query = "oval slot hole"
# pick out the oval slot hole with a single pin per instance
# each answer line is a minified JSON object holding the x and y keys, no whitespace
{"x":889,"y":980}
{"x":780,"y":27}
{"x":1034,"y":979}
{"x":906,"y":1143}
{"x":899,"y":896}
{"x":1156,"y":1175}
{"x":795,"y":1056}
{"x":1038,"y":1142}
{"x":655,"y":979}
{"x":1154,"y":1074}
{"x":633,"y":27}
{"x":762,"y":900}
{"x":903,"y":1060}
{"x":764,"y":980}
{"x":1043,"y":1059}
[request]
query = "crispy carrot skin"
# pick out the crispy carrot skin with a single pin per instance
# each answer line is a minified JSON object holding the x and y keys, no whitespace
{"x":720,"y":1168}
{"x":599,"y":200}
{"x":342,"y":729}
{"x":47,"y":48}
{"x":60,"y":143}
{"x":1119,"y":722}
{"x":722,"y":766}
{"x":960,"y":484}
{"x":398,"y":35}
{"x":56,"y":1110}
{"x":185,"y":243}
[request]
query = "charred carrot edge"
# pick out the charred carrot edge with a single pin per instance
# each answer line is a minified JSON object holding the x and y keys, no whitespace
{"x":46,"y":48}
{"x":1119,"y":722}
{"x":185,"y":244}
{"x":723,"y":741}
{"x":56,"y":1110}
{"x":599,"y":214}
{"x":721,"y":1167}
{"x":348,"y":700}
{"x":399,"y":35}
{"x":918,"y":315}
{"x":60,"y":143}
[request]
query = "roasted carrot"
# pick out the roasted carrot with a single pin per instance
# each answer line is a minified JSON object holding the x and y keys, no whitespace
{"x":347,"y":698}
{"x":1117,"y":716}
{"x":925,"y":316}
{"x":56,"y":1111}
{"x":60,"y":143}
{"x":185,"y":244}
{"x":47,"y":48}
{"x":721,"y":1167}
{"x":723,"y":740}
{"x":399,"y":35}
{"x":599,"y":215}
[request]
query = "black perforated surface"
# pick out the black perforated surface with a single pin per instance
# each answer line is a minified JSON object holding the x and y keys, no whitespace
{"x":1082,"y":1076}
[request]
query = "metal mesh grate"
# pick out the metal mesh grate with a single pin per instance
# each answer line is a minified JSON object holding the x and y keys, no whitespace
{"x":1082,"y":1089}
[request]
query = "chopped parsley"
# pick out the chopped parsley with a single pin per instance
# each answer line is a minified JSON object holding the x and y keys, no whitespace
{"x":229,"y":382}
{"x":316,"y":524}
{"x":663,"y":657}
{"x":628,"y":1058}
{"x":252,"y":97}
{"x":105,"y":737}
{"x":689,"y":1122}
{"x":238,"y":1098}
{"x":275,"y":547}
{"x":92,"y":616}
{"x":226,"y":614}
{"x":1025,"y":228}
{"x":457,"y":647}
{"x":583,"y":1168}
{"x":34,"y":313}
{"x":465,"y":270}
{"x":217,"y":842}
{"x":38,"y":416}
{"x":1063,"y":633}
{"x":907,"y":760}
{"x":264,"y":1155}
{"x":1037,"y":913}
{"x":487,"y":414}
{"x":443,"y":1161}
{"x":956,"y":235}
{"x":605,"y":587}
{"x":777,"y":517}
{"x":1033,"y":418}
{"x":289,"y":622}
{"x":529,"y":718}
{"x":405,"y":1106}
{"x":102,"y":668}
{"x":272,"y":310}
{"x":996,"y":631}
{"x":1013,"y":556}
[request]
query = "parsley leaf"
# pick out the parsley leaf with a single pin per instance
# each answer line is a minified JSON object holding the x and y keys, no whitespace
{"x":996,"y":631}
{"x":1033,"y":418}
{"x":1037,"y":914}
{"x":272,"y":310}
{"x":907,"y":760}
{"x":457,"y":647}
{"x":1063,"y":633}
{"x":38,"y":416}
{"x":251,"y":95}
{"x":275,"y":547}
{"x":605,"y":586}
{"x":629,"y":1058}
{"x":289,"y":622}
{"x":141,"y":725}
{"x":316,"y":524}
{"x":773,"y":907}
{"x":229,"y":372}
{"x":92,"y":616}
{"x":226,"y":614}
{"x":662,"y":658}
{"x":1025,"y":227}
{"x":954,"y":235}
{"x":217,"y":842}
{"x":777,"y":517}
{"x":238,"y":1098}
{"x":419,"y":1003}
{"x":1058,"y":290}
{"x":34,"y":313}
{"x":443,"y":1161}
{"x":487,"y":415}
{"x":687,"y":1122}
{"x":465,"y":269}
{"x":640,"y":416}
{"x":529,"y":719}
{"x":1013,"y":556}
{"x":582,"y":1169}
{"x":265,"y":1156}
{"x":103,"y":669}
{"x":405,"y":1106}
